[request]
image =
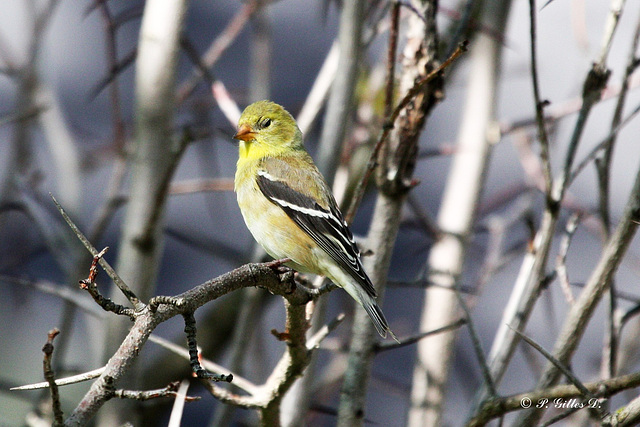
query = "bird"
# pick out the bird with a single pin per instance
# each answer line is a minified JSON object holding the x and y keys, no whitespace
{"x":290,"y":209}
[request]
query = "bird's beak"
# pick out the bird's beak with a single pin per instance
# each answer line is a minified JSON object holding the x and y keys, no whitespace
{"x":244,"y":133}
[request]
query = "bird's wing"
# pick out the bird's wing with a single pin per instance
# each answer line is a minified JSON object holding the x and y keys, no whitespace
{"x":325,"y":226}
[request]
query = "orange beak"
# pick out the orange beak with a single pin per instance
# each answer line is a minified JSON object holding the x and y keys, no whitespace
{"x":244,"y":133}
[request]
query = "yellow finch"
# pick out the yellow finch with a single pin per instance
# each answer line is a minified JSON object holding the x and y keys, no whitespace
{"x":289,"y":208}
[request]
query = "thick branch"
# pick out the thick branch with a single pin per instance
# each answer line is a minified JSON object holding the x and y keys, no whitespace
{"x":261,"y":275}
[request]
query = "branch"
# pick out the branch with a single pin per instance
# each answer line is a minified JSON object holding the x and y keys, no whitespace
{"x":260,"y":275}
{"x":50,"y":377}
{"x":494,"y":408}
{"x":628,"y":415}
{"x":397,"y":156}
{"x":390,"y":124}
{"x":238,"y":380}
{"x":74,"y":379}
{"x":318,"y":93}
{"x":581,"y":312}
{"x":542,"y":130}
{"x":126,"y":291}
{"x":456,"y":217}
{"x":384,"y":346}
{"x":171,"y":390}
{"x":340,"y":102}
{"x":153,"y":159}
{"x":219,"y":46}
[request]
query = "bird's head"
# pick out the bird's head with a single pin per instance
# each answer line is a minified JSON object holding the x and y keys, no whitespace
{"x":266,"y":129}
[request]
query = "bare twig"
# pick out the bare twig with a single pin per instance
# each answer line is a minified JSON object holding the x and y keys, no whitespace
{"x":603,"y":163}
{"x":391,"y":58}
{"x":528,"y":284}
{"x":319,"y":90}
{"x":291,"y":365}
{"x":50,"y":377}
{"x":219,"y":45}
{"x":60,"y":291}
{"x":580,"y":313}
{"x":602,"y":145}
{"x":389,"y":125}
{"x":198,"y":370}
{"x":565,"y":371}
{"x":610,"y":29}
{"x":384,"y":346}
{"x":238,"y":380}
{"x":594,"y":83}
{"x":561,"y":260}
{"x":171,"y":390}
{"x":112,"y":199}
{"x":226,"y":103}
{"x":609,"y":364}
{"x":263,"y":275}
{"x":494,"y":408}
{"x":178,"y":404}
{"x":74,"y":379}
{"x":477,"y":346}
{"x":90,"y":285}
{"x":542,"y":130}
{"x":397,"y":156}
{"x":456,"y":216}
{"x":341,"y":96}
{"x":323,"y":332}
{"x":201,"y":185}
{"x":127,"y":292}
{"x":562,"y":109}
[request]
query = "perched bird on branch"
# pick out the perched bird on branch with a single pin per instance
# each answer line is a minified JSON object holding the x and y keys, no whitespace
{"x":289,"y":208}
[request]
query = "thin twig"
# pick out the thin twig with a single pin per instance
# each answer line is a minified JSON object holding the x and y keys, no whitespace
{"x":190,"y":330}
{"x":613,"y":18}
{"x":596,"y":409}
{"x":591,"y":156}
{"x":594,"y":83}
{"x":112,"y":200}
{"x":210,"y":366}
{"x":318,"y":93}
{"x":384,"y":346}
{"x":218,"y":47}
{"x":391,"y":57}
{"x":542,"y":130}
{"x":178,"y":404}
{"x":89,"y":284}
{"x":58,"y":290}
{"x":128,"y":293}
{"x":338,"y":112}
{"x":171,"y":390}
{"x":50,"y":377}
{"x":190,"y":186}
{"x":227,"y":105}
{"x":477,"y":347}
{"x":561,"y":260}
{"x":74,"y":379}
{"x":323,"y":332}
{"x":389,"y":125}
{"x":567,"y":373}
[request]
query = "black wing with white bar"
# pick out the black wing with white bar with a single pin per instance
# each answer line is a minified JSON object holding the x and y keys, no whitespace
{"x":326,"y":227}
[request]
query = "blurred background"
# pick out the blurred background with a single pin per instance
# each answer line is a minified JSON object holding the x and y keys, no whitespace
{"x":67,"y":121}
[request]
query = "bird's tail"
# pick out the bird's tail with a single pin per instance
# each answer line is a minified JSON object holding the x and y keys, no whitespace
{"x":373,"y":310}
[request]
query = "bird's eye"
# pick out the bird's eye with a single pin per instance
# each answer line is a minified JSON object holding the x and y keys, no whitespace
{"x":265,"y":123}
